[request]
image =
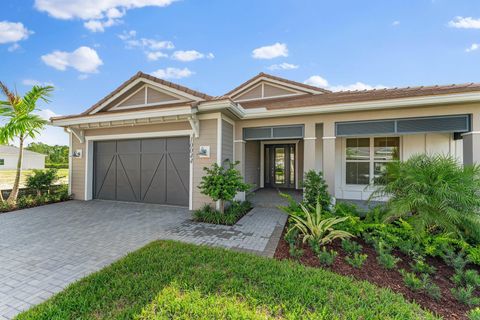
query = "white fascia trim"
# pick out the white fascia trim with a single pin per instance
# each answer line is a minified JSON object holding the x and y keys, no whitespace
{"x":70,"y":146}
{"x":150,"y":82}
{"x":154,"y":134}
{"x":361,"y":106}
{"x":124,"y":116}
{"x":236,"y":109}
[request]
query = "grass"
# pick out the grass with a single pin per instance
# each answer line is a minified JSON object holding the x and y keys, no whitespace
{"x":7,"y":177}
{"x":168,"y":279}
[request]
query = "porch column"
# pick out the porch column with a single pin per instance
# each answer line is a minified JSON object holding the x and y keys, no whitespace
{"x":328,"y":155}
{"x":309,"y":147}
{"x":471,"y":142}
{"x":239,"y":155}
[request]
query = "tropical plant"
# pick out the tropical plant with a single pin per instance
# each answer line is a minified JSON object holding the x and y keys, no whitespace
{"x":387,"y":260}
{"x":351,"y":247}
{"x":356,"y":260}
{"x":42,"y":180}
{"x":316,"y":190}
{"x":313,"y":227}
{"x":465,"y":295}
{"x":411,"y":280}
{"x":326,"y":258}
{"x":222,"y":183}
{"x":474,"y":314}
{"x":434,"y":193}
{"x":421,"y":266}
{"x":21,"y":123}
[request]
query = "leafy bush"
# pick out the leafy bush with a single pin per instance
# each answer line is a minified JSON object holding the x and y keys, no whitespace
{"x":315,"y":228}
{"x":327,"y":258}
{"x":474,"y":314}
{"x":411,"y":280}
{"x":387,"y":260}
{"x":433,"y":192}
{"x":42,"y":180}
{"x":421,"y":266}
{"x":455,"y":260}
{"x":474,"y":254}
{"x":222,"y":184}
{"x":467,"y":278}
{"x":465,"y":295}
{"x":351,"y":247}
{"x":295,"y":251}
{"x":356,"y":260}
{"x":231,"y":215}
{"x":316,"y":190}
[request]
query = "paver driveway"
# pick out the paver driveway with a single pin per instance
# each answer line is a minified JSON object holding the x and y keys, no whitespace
{"x":44,"y":249}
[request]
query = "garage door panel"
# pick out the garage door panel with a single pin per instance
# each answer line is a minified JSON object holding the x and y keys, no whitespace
{"x":157,"y":145}
{"x":105,"y":176}
{"x":145,"y":170}
{"x":128,"y":177}
{"x":153,"y":178}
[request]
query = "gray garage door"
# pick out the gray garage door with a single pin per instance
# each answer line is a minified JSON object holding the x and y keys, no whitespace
{"x":143,"y":170}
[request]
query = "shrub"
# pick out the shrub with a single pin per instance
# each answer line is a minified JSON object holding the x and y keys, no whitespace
{"x":315,"y":228}
{"x":474,"y":255}
{"x":295,"y":251}
{"x":433,"y":192}
{"x":387,"y":260}
{"x":222,"y":184}
{"x":231,"y":215}
{"x":316,"y":190}
{"x":327,"y":258}
{"x":465,"y":295}
{"x":411,"y":280}
{"x":421,"y":266}
{"x":474,"y":314}
{"x":42,"y":180}
{"x":455,"y":260}
{"x":357,"y":260}
{"x":467,"y":278}
{"x":432,"y":290}
{"x":351,"y":247}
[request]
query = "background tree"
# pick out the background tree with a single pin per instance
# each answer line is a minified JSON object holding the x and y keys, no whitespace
{"x":20,"y":122}
{"x":57,"y":156}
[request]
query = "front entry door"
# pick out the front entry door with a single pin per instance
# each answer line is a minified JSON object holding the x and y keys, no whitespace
{"x":280,"y":165}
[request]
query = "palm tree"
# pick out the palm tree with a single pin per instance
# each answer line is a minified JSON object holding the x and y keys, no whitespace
{"x":21,"y":123}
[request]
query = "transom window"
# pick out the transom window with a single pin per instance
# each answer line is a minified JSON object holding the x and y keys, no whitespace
{"x":366,"y":158}
{"x":2,"y":162}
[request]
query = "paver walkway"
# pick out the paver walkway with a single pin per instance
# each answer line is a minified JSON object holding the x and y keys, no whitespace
{"x":44,"y":249}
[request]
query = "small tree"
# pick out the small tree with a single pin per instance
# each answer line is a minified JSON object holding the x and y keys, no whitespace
{"x":221,"y":183}
{"x":316,"y":190}
{"x":42,"y":180}
{"x":21,"y":122}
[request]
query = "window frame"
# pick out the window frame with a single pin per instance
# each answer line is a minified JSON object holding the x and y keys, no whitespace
{"x":371,"y":159}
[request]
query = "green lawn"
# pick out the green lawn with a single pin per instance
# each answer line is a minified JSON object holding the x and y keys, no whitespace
{"x":172,"y":280}
{"x":7,"y":177}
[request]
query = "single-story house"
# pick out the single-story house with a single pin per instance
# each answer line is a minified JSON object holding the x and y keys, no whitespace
{"x":9,"y":159}
{"x":149,"y":140}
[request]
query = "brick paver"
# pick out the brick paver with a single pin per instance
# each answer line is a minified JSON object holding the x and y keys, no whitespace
{"x":44,"y":249}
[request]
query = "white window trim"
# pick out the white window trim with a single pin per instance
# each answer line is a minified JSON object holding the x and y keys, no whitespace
{"x":158,"y":134}
{"x":364,"y":187}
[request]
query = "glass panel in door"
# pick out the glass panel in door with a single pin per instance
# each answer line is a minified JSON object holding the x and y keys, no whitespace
{"x":279,"y":157}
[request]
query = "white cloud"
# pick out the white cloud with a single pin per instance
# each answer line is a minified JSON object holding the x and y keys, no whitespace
{"x":319,"y":81}
{"x":190,"y":55}
{"x":152,"y":48}
{"x":98,"y":14}
{"x":13,"y":47}
{"x":465,"y":23}
{"x":33,"y":82}
{"x":12,"y":32}
{"x":283,"y":66}
{"x":473,"y":47}
{"x":50,"y":135}
{"x":83,"y":59}
{"x":269,"y":52}
{"x":172,"y":73}
{"x":395,"y":23}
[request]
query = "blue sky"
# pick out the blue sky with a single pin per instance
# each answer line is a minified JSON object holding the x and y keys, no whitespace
{"x":86,"y":48}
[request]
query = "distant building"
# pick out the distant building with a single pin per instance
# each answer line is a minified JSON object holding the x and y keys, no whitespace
{"x":9,"y":159}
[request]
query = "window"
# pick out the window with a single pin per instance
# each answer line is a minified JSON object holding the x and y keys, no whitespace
{"x":366,"y":158}
{"x":2,"y":162}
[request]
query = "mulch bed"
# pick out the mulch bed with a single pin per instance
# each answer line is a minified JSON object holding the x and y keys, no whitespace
{"x":447,"y":307}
